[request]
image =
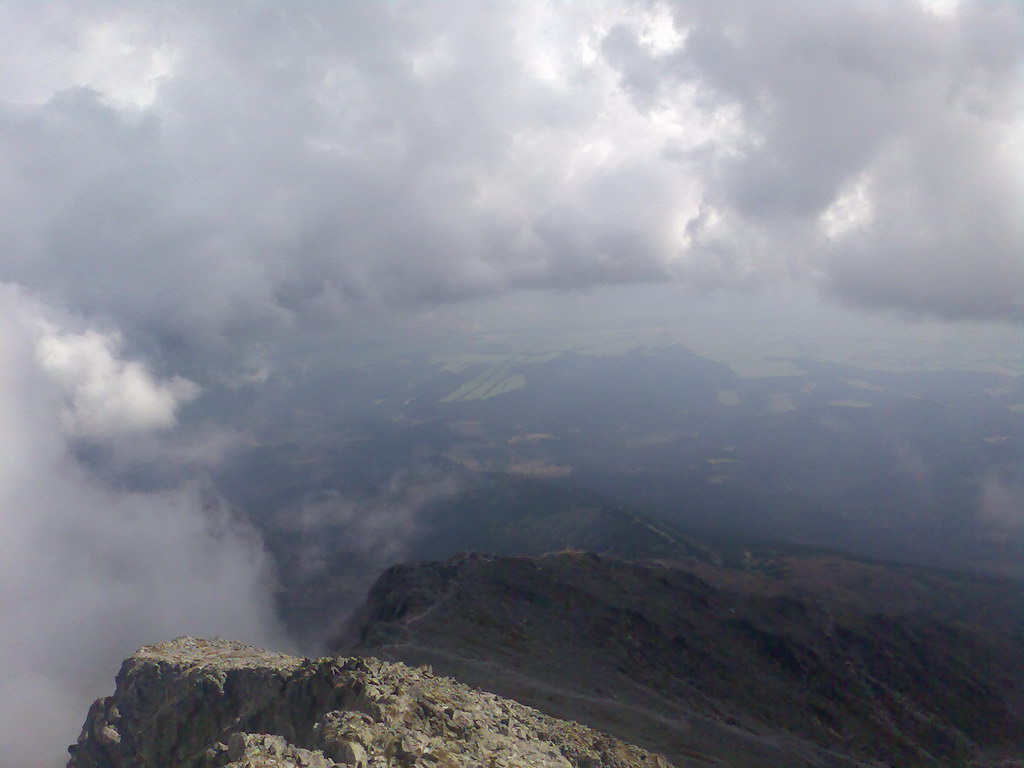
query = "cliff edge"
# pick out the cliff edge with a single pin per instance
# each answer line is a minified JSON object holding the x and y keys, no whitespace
{"x":194,"y":703}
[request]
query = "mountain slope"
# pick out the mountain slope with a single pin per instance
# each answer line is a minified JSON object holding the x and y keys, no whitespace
{"x":325,"y":569}
{"x":740,"y":674}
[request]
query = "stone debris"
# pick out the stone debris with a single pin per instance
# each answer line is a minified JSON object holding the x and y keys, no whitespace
{"x":193,"y":703}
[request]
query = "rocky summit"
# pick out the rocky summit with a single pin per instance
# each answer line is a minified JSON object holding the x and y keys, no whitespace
{"x":193,"y":703}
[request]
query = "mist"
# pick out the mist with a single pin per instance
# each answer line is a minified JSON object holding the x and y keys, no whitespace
{"x":91,"y":572}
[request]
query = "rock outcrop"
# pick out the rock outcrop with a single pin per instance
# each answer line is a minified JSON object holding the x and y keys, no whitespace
{"x":193,"y":703}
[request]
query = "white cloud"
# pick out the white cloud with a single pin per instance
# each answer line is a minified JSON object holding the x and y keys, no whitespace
{"x":105,"y":395}
{"x":89,"y":572}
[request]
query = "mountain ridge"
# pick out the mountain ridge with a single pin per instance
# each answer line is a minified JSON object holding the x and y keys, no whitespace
{"x":713,"y":674}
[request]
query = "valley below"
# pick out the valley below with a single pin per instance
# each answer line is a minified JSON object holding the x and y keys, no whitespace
{"x":778,"y":557}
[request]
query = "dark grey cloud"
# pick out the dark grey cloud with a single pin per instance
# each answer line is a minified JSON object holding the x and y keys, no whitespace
{"x":879,"y":146}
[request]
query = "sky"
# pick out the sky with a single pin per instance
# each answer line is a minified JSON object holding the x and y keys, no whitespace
{"x":188,"y":187}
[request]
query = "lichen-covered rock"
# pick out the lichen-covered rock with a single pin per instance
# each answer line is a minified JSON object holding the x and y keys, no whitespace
{"x":260,"y":750}
{"x":193,"y":703}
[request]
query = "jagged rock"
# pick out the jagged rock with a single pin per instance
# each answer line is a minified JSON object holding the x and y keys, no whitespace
{"x":193,"y":703}
{"x":261,"y":750}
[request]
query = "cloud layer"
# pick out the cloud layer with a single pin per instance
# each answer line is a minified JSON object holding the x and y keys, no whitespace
{"x":215,"y":172}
